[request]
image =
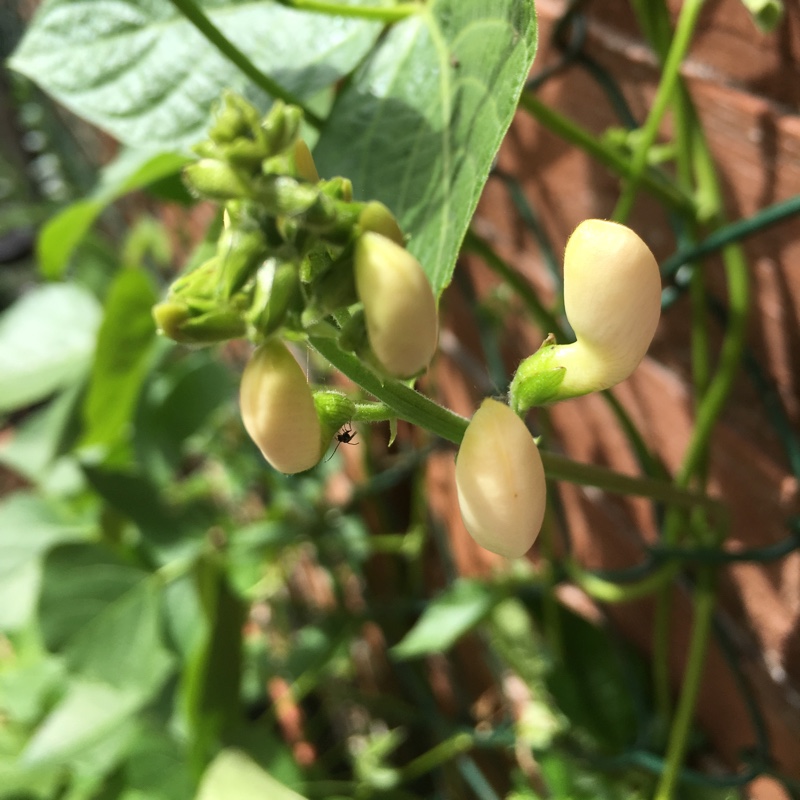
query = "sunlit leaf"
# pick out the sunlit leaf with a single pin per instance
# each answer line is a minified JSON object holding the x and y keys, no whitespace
{"x":29,"y":526}
{"x":235,"y":776}
{"x":124,"y":344}
{"x":62,"y":233}
{"x":141,"y":71}
{"x":47,"y":339}
{"x":90,"y":715}
{"x":423,"y":118}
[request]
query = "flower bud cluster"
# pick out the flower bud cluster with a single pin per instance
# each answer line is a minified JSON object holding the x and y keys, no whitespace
{"x":294,"y":255}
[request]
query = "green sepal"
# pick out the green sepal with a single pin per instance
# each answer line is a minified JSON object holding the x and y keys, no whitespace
{"x":334,"y":410}
{"x":537,"y":379}
{"x":281,"y":126}
{"x":336,"y":288}
{"x":338,"y":188}
{"x":234,"y":118}
{"x":353,"y":337}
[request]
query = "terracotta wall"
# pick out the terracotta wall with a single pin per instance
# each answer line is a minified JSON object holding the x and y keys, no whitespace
{"x":747,"y":88}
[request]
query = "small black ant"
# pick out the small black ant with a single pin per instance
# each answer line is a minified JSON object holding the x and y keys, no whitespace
{"x":345,"y":436}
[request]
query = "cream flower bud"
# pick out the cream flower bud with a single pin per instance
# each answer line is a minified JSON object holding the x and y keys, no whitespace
{"x":399,"y":305}
{"x":612,"y":297}
{"x":278,"y":409}
{"x":500,"y":481}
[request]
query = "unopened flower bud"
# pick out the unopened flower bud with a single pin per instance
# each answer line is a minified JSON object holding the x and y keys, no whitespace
{"x":278,"y":409}
{"x":399,"y":305}
{"x":612,"y":298}
{"x":377,"y":218}
{"x":500,"y":481}
{"x":215,"y":180}
{"x":304,"y":162}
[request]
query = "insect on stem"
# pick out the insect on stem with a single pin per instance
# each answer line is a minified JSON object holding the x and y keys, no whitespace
{"x":345,"y":436}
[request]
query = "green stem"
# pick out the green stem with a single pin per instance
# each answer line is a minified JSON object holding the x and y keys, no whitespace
{"x":407,"y":403}
{"x":204,"y":25}
{"x":386,"y":14}
{"x":441,"y":754}
{"x":544,"y":318}
{"x":610,"y":592}
{"x":734,"y":232}
{"x":410,"y":405}
{"x":666,"y":88}
{"x":679,"y":734}
{"x":617,"y":162}
{"x":373,"y":412}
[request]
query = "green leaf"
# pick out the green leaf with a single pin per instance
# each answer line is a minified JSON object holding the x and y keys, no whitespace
{"x":213,"y":674}
{"x":235,"y":776}
{"x":29,"y":526}
{"x":157,"y":768}
{"x":103,"y":615}
{"x":139,"y":70}
{"x":131,"y":171}
{"x":121,"y":645}
{"x":176,"y":405}
{"x":89,"y":715}
{"x":124,"y":345}
{"x":37,"y":440}
{"x":47,"y":339}
{"x":423,"y":118}
{"x":447,"y":617}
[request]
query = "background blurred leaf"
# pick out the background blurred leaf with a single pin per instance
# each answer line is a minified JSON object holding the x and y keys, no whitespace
{"x":29,"y":526}
{"x":423,"y":118}
{"x":234,"y":776}
{"x":139,"y":70}
{"x":176,"y":404}
{"x":47,"y":340}
{"x":63,"y":232}
{"x":37,"y":440}
{"x":124,"y":345}
{"x":90,"y":715}
{"x":212,"y":678}
{"x":446,"y":618}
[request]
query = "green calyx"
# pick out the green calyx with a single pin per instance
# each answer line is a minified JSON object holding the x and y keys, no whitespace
{"x":538,"y":378}
{"x":334,"y":410}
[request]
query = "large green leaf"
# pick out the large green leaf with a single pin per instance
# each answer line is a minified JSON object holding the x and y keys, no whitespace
{"x":139,"y":70}
{"x":29,"y":526}
{"x":47,"y":339}
{"x":124,"y":345}
{"x":422,"y":119}
{"x":103,"y":615}
{"x":235,"y":776}
{"x":89,"y":716}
